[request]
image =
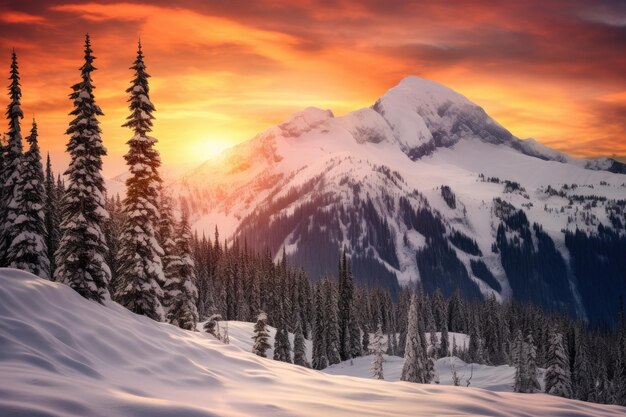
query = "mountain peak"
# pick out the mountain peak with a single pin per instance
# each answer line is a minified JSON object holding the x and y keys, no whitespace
{"x":421,"y":88}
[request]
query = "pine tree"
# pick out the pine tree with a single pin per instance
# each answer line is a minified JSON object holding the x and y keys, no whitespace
{"x":619,"y":374}
{"x":414,"y":369}
{"x":81,"y":256}
{"x":282,"y":347}
{"x":331,"y":325}
{"x":557,"y":376}
{"x":140,"y":270}
{"x":51,"y":218}
{"x":519,"y":361}
{"x":365,"y":341}
{"x":9,"y":177}
{"x":261,"y":336}
{"x":211,"y":326}
{"x":444,"y":346}
{"x":28,"y":250}
{"x":582,"y":377}
{"x":170,"y":257}
{"x":319,"y":359}
{"x":344,"y":307}
{"x":474,"y":351}
{"x":112,"y":229}
{"x":377,"y":350}
{"x":180,"y":292}
{"x":299,"y":350}
{"x":531,"y":384}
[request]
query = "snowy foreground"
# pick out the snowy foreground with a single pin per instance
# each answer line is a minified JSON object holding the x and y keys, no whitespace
{"x":492,"y":378}
{"x":61,"y":355}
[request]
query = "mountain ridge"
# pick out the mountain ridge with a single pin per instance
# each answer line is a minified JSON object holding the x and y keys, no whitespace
{"x":372,"y":181}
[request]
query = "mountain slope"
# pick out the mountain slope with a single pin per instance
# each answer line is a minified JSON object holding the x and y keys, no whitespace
{"x":424,"y":186}
{"x":65,"y":356}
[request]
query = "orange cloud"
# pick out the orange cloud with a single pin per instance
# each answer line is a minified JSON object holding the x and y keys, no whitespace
{"x":20,"y":17}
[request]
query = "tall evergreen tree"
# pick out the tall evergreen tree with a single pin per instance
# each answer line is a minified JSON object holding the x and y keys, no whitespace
{"x":474,"y":351}
{"x":413,"y":369}
{"x":180,"y":292}
{"x":365,"y":341}
{"x":331,"y":324}
{"x":519,"y":362}
{"x":282,"y":346}
{"x":261,"y":336}
{"x":140,"y":270}
{"x":557,"y":377}
{"x":344,"y":306}
{"x":28,"y":250}
{"x":531,"y":383}
{"x":299,"y":350}
{"x":9,"y":176}
{"x":81,"y":256}
{"x":319,"y":359}
{"x":618,"y":382}
{"x":582,"y":377}
{"x":51,"y":215}
{"x":444,"y":345}
{"x":166,"y":238}
{"x":377,"y":351}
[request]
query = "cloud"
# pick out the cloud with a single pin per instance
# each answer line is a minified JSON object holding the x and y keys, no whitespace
{"x":20,"y":17}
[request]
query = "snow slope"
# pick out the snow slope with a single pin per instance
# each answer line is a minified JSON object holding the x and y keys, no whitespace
{"x":65,"y":356}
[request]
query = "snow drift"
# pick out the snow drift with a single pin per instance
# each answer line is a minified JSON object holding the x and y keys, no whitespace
{"x":61,"y":355}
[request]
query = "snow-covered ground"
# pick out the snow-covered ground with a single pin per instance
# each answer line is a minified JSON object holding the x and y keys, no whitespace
{"x":61,"y":356}
{"x":493,"y":378}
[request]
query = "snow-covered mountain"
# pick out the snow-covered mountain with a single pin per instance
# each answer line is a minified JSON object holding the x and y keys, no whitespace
{"x":65,"y":356}
{"x":424,"y":186}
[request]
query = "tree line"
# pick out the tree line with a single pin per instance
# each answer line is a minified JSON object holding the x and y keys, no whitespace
{"x":61,"y":229}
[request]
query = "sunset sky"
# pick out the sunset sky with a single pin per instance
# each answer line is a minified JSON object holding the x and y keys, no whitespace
{"x":222,"y":70}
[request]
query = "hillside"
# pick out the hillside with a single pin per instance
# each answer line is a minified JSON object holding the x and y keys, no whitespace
{"x":424,"y":186}
{"x":65,"y":356}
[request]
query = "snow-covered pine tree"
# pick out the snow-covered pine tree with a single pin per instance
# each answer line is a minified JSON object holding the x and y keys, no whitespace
{"x":211,"y":325}
{"x":180,"y":292}
{"x":166,"y":237}
{"x":345,"y":291}
{"x":365,"y":340}
{"x":9,"y":177}
{"x":81,"y":256}
{"x":474,"y":351}
{"x":454,"y":346}
{"x":531,"y":384}
{"x":444,"y":344}
{"x":112,"y":229}
{"x":261,"y":336}
{"x":377,"y":351}
{"x":51,"y":215}
{"x":557,"y":377}
{"x":331,"y":324}
{"x":413,"y":369}
{"x":618,"y":383}
{"x":140,"y":270}
{"x":519,"y":361}
{"x":282,"y":346}
{"x":28,"y":250}
{"x":355,"y":337}
{"x":582,"y":375}
{"x":319,"y":359}
{"x":299,"y":349}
